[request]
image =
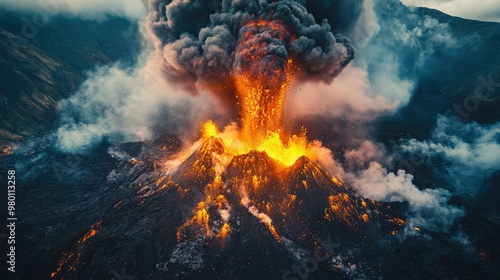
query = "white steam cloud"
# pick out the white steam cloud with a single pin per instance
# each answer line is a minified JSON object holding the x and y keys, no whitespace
{"x":85,"y":9}
{"x":470,"y":152}
{"x":125,"y":104}
{"x":429,"y":208}
{"x":467,"y":152}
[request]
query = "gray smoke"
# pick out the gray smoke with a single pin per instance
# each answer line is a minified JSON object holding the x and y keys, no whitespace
{"x":201,"y":53}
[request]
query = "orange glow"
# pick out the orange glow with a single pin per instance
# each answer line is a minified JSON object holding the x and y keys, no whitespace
{"x":201,"y":219}
{"x":209,"y":129}
{"x":273,"y":231}
{"x":235,"y":143}
{"x":261,"y":99}
{"x":262,"y":79}
{"x":336,"y":182}
{"x":397,"y":221}
{"x":226,"y":228}
{"x":71,"y":258}
{"x":365,"y":217}
{"x":7,"y":150}
{"x":89,"y":234}
{"x":261,"y":82}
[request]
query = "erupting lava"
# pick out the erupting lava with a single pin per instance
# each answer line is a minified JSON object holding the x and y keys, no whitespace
{"x":286,"y":153}
{"x":255,"y":166}
{"x":262,"y":76}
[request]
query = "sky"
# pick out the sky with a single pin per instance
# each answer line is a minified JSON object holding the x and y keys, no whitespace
{"x":485,"y":10}
{"x":86,"y":9}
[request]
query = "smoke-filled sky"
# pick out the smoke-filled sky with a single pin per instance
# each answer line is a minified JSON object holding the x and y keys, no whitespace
{"x":202,"y":54}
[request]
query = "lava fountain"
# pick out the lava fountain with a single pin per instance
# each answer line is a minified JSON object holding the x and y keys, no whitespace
{"x":262,"y":76}
{"x":247,"y":54}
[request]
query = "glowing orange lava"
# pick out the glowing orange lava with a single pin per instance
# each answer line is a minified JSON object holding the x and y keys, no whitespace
{"x":262,"y":78}
{"x":71,"y":258}
{"x":6,"y":151}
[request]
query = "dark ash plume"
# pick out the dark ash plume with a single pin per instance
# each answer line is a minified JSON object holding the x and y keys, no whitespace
{"x":198,"y":41}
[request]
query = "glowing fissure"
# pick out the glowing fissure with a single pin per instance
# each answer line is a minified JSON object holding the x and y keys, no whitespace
{"x":71,"y":258}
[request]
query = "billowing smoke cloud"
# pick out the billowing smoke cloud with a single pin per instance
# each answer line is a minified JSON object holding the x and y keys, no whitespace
{"x":469,"y":152}
{"x":382,"y":78}
{"x":428,"y":207}
{"x":123,"y":104}
{"x":86,"y":9}
{"x":367,"y":169}
{"x":462,"y":155}
{"x":202,"y":53}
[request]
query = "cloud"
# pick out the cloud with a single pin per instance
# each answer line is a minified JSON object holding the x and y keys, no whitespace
{"x":461,"y":154}
{"x":350,"y":96}
{"x":428,"y":207}
{"x":470,"y":152}
{"x":86,"y":9}
{"x":366,"y":169}
{"x":382,"y":78}
{"x":487,"y":10}
{"x":127,"y":104}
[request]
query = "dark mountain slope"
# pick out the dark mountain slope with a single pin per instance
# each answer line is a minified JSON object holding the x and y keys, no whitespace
{"x":37,"y":72}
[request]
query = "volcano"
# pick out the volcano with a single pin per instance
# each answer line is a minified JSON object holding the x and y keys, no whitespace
{"x":252,"y":216}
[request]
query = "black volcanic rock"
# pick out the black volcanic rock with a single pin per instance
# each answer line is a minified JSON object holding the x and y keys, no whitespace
{"x":255,"y":176}
{"x":318,"y":202}
{"x":307,"y":180}
{"x":198,"y":169}
{"x":160,"y":225}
